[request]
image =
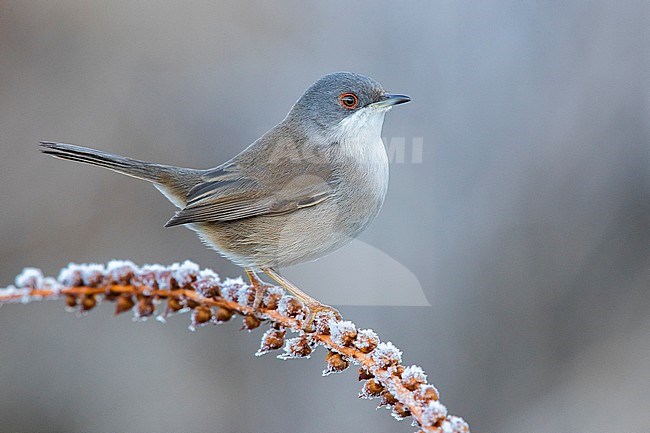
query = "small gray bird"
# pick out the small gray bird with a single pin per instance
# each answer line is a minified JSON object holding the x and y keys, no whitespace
{"x":302,"y":190}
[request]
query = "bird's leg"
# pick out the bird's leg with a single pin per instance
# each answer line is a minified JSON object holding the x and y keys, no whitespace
{"x":311,"y":303}
{"x":259,"y":286}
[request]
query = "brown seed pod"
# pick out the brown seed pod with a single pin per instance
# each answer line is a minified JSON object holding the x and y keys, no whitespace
{"x":224,"y":314}
{"x":412,"y":377}
{"x":372,"y":388}
{"x":366,"y":340}
{"x":70,"y":301}
{"x":173,"y":305}
{"x":123,"y":303}
{"x":251,"y":322}
{"x":336,"y":363}
{"x":88,"y":302}
{"x":299,"y":347}
{"x":201,"y":315}
{"x":400,"y":411}
{"x":387,"y":398}
{"x":433,"y":413}
{"x":272,"y":297}
{"x":272,"y":339}
{"x":343,"y":332}
{"x":145,"y":306}
{"x":289,"y":306}
{"x":365,"y":374}
{"x":427,"y":393}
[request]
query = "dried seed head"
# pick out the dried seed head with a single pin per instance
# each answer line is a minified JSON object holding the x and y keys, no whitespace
{"x":208,"y":288}
{"x":191,"y":303}
{"x":71,"y":276}
{"x":433,"y":413}
{"x":272,"y":297}
{"x":230,"y":288}
{"x":386,"y":355}
{"x":343,"y":332}
{"x":322,"y":321}
{"x":153,"y":277}
{"x":366,"y":340}
{"x":412,"y":377}
{"x":31,"y":278}
{"x":336,"y":363}
{"x":145,"y":307}
{"x":299,"y":347}
{"x":454,"y":424}
{"x":224,"y":314}
{"x":251,"y":322}
{"x":184,"y":273}
{"x":427,"y":393}
{"x":88,"y":302}
{"x":173,"y":305}
{"x":387,"y":399}
{"x":400,"y":411}
{"x":93,"y":275}
{"x":272,"y":339}
{"x":371,"y":389}
{"x":246,"y":296}
{"x":365,"y":374}
{"x":70,"y":301}
{"x":201,"y":315}
{"x":123,"y":303}
{"x":120,"y":272}
{"x":289,"y":306}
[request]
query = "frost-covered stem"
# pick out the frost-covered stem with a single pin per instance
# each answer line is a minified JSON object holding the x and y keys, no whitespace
{"x":403,"y":390}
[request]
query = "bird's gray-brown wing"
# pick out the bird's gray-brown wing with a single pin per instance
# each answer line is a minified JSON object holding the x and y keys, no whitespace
{"x":227,"y":194}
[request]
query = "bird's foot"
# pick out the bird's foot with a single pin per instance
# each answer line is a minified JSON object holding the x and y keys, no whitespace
{"x":315,"y":309}
{"x":260,"y":289}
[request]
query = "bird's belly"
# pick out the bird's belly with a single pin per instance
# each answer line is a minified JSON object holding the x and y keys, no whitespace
{"x":285,"y":240}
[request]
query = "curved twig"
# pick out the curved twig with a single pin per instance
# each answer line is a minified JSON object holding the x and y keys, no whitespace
{"x":184,"y":287}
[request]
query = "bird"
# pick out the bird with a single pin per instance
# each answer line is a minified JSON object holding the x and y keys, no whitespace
{"x":304,"y":189}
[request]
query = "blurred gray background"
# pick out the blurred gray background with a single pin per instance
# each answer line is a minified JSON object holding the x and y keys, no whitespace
{"x":527,"y":222}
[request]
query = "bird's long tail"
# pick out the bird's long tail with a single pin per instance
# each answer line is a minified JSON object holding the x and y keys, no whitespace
{"x":174,"y":182}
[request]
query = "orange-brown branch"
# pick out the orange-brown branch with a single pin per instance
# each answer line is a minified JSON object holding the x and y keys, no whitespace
{"x":402,"y":389}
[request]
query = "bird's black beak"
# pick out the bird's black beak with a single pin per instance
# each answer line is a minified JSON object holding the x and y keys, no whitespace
{"x":388,"y":100}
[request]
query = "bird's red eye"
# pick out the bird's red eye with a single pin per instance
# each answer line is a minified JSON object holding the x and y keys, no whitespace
{"x":349,"y":101}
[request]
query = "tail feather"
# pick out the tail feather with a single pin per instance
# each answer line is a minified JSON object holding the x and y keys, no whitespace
{"x":131,"y":167}
{"x":174,"y":182}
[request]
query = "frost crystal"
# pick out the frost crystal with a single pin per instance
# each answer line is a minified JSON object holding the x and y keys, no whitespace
{"x":208,"y":274}
{"x":81,"y":275}
{"x":454,"y":424}
{"x":151,"y":276}
{"x":184,"y":273}
{"x":246,"y":296}
{"x":366,"y":340}
{"x":298,"y":347}
{"x":386,"y":354}
{"x":272,"y":339}
{"x":343,"y":332}
{"x":30,"y":278}
{"x":272,"y":296}
{"x":230,"y":288}
{"x":414,"y":374}
{"x":433,"y":412}
{"x":120,"y":271}
{"x":289,"y":306}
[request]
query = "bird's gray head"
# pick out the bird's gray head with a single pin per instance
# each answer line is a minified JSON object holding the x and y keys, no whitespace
{"x":341,"y":100}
